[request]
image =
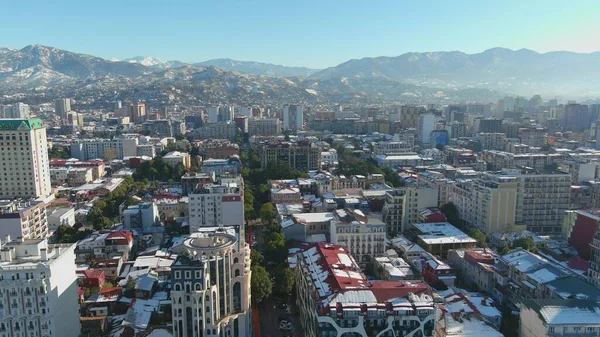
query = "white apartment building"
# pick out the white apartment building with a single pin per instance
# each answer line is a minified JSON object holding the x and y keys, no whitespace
{"x":140,"y":216}
{"x":23,"y":218}
{"x":329,"y":157}
{"x":175,"y":158}
{"x":212,"y":205}
{"x":293,"y":118}
{"x":86,"y":149}
{"x":24,"y":165}
{"x":402,"y":206}
{"x":73,"y":176}
{"x":38,"y":290}
{"x":426,"y":125}
{"x":542,"y":318}
{"x":61,"y":216}
{"x":211,"y":284}
{"x":17,"y":110}
{"x":364,"y":236}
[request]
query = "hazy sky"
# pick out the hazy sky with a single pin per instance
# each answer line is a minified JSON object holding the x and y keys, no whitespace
{"x":316,"y":34}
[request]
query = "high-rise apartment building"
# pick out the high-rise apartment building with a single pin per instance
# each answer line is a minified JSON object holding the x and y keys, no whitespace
{"x":457,"y":130}
{"x":300,"y":156}
{"x":264,"y":127}
{"x":487,"y":125}
{"x":38,"y":289}
{"x":542,"y":199}
{"x":23,"y":159}
{"x":217,"y":204}
{"x":137,"y":112}
{"x":210,"y":280}
{"x":17,"y":111}
{"x":577,"y":117}
{"x":402,"y":206}
{"x":426,"y":125}
{"x":62,"y":106}
{"x":489,"y":204}
{"x":293,"y":118}
{"x":221,"y":113}
{"x":410,"y":115}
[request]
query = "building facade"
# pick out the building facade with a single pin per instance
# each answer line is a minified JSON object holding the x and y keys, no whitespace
{"x":364,"y":236}
{"x":335,"y":298}
{"x":38,"y":289}
{"x":211,"y":285}
{"x":24,"y":159}
{"x":293,"y":118}
{"x":402,"y":206}
{"x":216,"y":204}
{"x":541,"y":318}
{"x":300,"y":156}
{"x":23,"y":218}
{"x":264,"y":127}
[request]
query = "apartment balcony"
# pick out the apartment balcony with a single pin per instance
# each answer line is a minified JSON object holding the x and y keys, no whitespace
{"x":573,"y":334}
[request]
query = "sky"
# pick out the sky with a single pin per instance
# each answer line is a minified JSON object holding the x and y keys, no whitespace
{"x":311,"y":33}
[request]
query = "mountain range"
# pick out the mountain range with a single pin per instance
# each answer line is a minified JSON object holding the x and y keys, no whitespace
{"x":256,"y":68}
{"x":410,"y":77}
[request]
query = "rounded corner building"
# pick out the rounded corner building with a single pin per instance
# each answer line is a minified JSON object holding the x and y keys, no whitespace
{"x":211,"y":284}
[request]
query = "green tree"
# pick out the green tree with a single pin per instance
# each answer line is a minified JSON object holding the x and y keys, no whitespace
{"x":479,"y":236}
{"x":275,"y":249}
{"x":260,"y":284}
{"x":504,"y":250}
{"x":130,"y":283}
{"x":284,"y":280}
{"x":525,"y":243}
{"x":256,"y":257}
{"x":267,"y":212}
{"x":451,"y":213}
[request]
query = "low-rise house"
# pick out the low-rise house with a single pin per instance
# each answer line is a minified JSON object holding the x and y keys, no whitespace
{"x":393,"y":269}
{"x":475,"y":266}
{"x":474,"y":304}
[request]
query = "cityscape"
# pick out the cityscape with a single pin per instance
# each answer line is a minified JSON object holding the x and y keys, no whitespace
{"x":428,"y":194}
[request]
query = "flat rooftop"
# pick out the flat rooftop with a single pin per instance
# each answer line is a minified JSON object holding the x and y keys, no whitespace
{"x":437,"y":233}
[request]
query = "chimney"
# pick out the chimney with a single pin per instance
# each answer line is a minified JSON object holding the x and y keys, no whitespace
{"x":44,"y":254}
{"x":7,"y":238}
{"x":20,"y":239}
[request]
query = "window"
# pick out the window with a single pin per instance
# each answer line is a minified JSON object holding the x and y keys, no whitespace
{"x":177,"y":275}
{"x":551,"y":329}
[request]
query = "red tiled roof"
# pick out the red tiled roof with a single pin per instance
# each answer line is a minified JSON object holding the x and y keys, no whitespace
{"x":91,"y":274}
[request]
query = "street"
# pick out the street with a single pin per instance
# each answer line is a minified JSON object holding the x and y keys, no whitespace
{"x":270,"y":317}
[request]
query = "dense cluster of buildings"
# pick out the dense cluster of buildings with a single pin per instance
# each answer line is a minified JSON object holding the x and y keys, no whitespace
{"x":462,"y":212}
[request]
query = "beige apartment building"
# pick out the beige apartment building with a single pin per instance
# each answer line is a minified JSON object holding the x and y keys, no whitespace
{"x":488,"y":203}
